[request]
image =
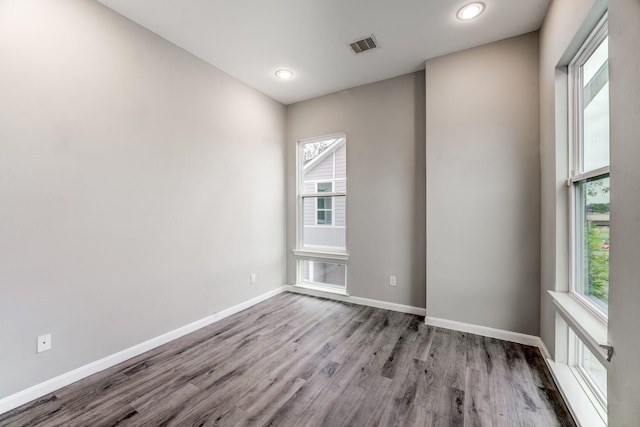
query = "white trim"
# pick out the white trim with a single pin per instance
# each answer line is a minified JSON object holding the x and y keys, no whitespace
{"x":321,"y":288}
{"x":588,"y":383}
{"x":333,"y":176}
{"x":590,"y":328}
{"x":20,"y":398}
{"x":485,"y":331}
{"x":340,"y":256}
{"x":544,"y":350}
{"x":605,"y":170}
{"x":324,"y":180}
{"x":358,"y":300}
{"x":580,"y":406}
{"x":316,"y":195}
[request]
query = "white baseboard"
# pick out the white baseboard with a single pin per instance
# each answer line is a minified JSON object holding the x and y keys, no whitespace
{"x":358,"y":300}
{"x":13,"y":401}
{"x":544,"y":350}
{"x":485,"y":331}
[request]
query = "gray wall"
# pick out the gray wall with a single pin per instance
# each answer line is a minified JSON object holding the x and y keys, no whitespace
{"x":384,"y":122}
{"x":624,"y":294}
{"x":483,"y":172}
{"x":139,"y":187}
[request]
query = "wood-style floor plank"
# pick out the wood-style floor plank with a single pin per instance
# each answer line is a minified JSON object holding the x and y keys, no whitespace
{"x":295,"y":360}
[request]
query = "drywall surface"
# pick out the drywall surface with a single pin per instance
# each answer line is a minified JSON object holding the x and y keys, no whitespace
{"x":565,"y":27}
{"x":483,"y":174}
{"x":624,"y":293}
{"x":384,"y":123}
{"x":139,"y":187}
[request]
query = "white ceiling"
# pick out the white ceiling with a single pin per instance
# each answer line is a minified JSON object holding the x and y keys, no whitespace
{"x":251,"y":39}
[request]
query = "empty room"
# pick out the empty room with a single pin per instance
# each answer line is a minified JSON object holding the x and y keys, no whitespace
{"x":319,"y":213}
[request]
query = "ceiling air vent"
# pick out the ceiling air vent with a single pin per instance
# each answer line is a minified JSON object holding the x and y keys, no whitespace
{"x":363,"y":45}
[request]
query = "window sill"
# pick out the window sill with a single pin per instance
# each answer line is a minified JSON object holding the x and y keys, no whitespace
{"x":590,"y":328}
{"x":322,"y":289}
{"x":308,"y":253}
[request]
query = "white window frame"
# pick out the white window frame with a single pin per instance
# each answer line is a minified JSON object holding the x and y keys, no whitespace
{"x":311,"y":253}
{"x":576,"y":173}
{"x":575,"y":317}
{"x":575,"y":357}
{"x":316,"y":285}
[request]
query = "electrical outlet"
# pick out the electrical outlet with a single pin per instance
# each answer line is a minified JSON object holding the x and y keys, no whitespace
{"x":44,"y":343}
{"x":252,"y":279}
{"x":392,"y":280}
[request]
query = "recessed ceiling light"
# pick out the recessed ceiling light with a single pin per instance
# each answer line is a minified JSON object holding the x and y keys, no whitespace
{"x":284,"y":74}
{"x":470,"y":11}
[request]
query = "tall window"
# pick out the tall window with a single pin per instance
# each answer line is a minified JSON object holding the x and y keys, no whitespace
{"x":322,"y":194}
{"x":322,"y":184}
{"x":590,"y":181}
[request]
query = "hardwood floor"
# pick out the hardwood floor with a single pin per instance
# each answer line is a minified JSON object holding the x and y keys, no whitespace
{"x":296,"y":360}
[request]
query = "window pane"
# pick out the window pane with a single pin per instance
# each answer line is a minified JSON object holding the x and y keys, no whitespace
{"x":324,"y":166}
{"x":323,"y":220}
{"x":324,"y":273}
{"x":594,"y":370}
{"x":593,"y":232}
{"x":311,"y":150}
{"x":595,"y":104}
